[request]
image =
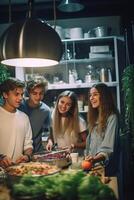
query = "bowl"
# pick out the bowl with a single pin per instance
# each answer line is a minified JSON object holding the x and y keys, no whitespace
{"x":60,"y":163}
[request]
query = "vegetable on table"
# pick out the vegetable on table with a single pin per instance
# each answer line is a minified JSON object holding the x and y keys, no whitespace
{"x":67,"y":185}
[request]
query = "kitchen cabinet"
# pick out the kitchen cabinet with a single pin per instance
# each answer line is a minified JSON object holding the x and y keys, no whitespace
{"x":84,"y":62}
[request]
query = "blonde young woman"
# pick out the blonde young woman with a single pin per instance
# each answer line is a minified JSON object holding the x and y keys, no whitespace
{"x":69,"y":129}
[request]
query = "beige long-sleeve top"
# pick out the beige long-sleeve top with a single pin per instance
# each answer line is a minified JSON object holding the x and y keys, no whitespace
{"x":15,"y":133}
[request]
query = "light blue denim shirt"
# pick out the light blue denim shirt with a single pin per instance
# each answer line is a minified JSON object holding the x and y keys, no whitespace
{"x":97,"y":143}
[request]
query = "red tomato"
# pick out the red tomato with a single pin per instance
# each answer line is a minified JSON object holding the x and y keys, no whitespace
{"x":86,"y":165}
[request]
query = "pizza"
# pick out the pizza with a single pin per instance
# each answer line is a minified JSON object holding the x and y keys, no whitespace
{"x":32,"y":168}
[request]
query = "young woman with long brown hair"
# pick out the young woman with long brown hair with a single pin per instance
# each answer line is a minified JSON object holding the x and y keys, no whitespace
{"x":103,"y":138}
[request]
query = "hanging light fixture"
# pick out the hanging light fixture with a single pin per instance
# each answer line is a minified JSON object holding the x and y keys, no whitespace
{"x":70,"y":6}
{"x":33,"y":43}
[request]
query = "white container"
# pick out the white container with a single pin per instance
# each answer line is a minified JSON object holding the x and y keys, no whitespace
{"x":86,"y":35}
{"x":76,"y":33}
{"x":100,"y":31}
{"x":74,"y":157}
{"x":67,"y":33}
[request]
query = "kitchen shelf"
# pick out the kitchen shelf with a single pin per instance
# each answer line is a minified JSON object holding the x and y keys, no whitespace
{"x":77,"y":85}
{"x":87,"y":60}
{"x":94,"y":39}
{"x":79,"y":49}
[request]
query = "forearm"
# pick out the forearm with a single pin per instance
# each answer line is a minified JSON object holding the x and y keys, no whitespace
{"x":50,"y":137}
{"x":28,"y":151}
{"x":80,"y":145}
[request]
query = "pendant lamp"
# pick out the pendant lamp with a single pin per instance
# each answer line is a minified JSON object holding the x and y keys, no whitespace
{"x":70,"y":6}
{"x":33,"y":43}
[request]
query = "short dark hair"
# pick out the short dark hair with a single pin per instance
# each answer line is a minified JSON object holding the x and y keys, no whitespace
{"x":10,"y":84}
{"x":32,"y":84}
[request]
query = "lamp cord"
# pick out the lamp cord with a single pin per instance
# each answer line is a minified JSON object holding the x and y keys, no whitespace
{"x":10,"y":13}
{"x":54,"y":9}
{"x":30,"y":8}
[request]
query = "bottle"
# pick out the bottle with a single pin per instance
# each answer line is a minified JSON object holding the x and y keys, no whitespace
{"x":75,"y":74}
{"x":71,"y":77}
{"x":109,"y":75}
{"x":103,"y":75}
{"x":69,"y":54}
{"x":88,"y":78}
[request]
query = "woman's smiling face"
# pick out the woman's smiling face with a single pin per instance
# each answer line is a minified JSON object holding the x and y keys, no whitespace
{"x":64,"y":104}
{"x":94,"y":97}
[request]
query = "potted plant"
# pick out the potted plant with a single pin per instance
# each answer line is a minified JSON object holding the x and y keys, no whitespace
{"x":128,"y":126}
{"x":128,"y":89}
{"x":4,"y":74}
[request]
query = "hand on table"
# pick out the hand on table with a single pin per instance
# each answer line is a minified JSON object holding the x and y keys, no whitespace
{"x":23,"y":158}
{"x":89,"y":158}
{"x":6,"y":162}
{"x":49,"y":145}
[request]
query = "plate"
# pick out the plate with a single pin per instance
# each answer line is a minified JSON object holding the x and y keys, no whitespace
{"x":34,"y":169}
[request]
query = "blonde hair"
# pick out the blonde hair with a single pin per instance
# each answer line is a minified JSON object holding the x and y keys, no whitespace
{"x":71,"y":123}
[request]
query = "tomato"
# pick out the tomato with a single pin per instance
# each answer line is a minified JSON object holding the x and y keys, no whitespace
{"x":86,"y":165}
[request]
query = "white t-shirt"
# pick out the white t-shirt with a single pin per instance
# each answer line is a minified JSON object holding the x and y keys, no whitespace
{"x":15,"y":133}
{"x":65,"y":140}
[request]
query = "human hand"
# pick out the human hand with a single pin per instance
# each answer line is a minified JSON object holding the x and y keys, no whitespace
{"x":6,"y":162}
{"x":72,"y":147}
{"x":22,"y":158}
{"x":49,"y":145}
{"x":89,"y":158}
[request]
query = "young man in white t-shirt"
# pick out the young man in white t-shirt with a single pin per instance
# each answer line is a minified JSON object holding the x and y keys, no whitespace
{"x":15,"y":129}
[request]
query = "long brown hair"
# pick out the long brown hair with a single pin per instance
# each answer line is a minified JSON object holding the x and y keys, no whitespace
{"x":106,"y":108}
{"x":71,"y":120}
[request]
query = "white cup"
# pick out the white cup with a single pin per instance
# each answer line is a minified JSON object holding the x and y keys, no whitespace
{"x":80,"y":105}
{"x":86,"y":108}
{"x":74,"y":157}
{"x":86,"y":35}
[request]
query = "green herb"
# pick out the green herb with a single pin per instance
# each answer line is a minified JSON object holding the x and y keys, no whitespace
{"x":4,"y":73}
{"x":68,"y":185}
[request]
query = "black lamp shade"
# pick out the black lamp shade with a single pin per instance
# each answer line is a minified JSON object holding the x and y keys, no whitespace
{"x":32,"y":39}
